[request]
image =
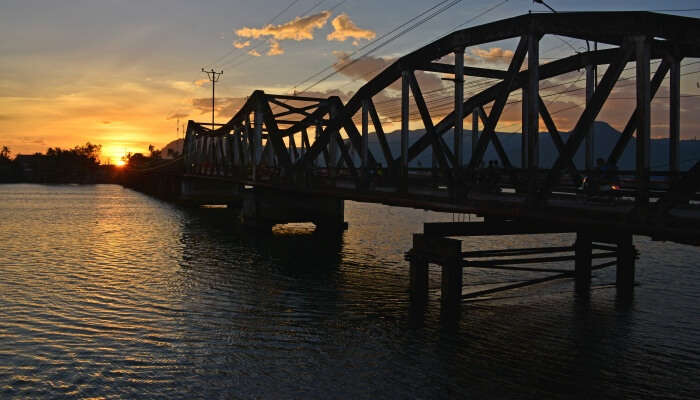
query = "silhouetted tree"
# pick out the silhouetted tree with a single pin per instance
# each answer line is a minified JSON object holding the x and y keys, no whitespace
{"x":5,"y":154}
{"x":155,"y":153}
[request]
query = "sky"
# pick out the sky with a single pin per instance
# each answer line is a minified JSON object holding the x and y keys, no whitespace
{"x":122,"y":73}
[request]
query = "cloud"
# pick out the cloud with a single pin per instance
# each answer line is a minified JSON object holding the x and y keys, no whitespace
{"x":200,"y":82}
{"x":239,"y":45}
{"x":344,"y":28}
{"x":254,"y":53}
{"x":494,"y":54}
{"x":33,"y":140}
{"x":275,"y":48}
{"x":366,"y":68}
{"x":300,"y":28}
{"x":180,"y":115}
{"x":224,"y":107}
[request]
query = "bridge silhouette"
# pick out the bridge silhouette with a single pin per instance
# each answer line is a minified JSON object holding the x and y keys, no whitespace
{"x":291,"y":158}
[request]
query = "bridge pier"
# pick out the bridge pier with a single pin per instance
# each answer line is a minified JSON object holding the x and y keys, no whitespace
{"x":446,"y":253}
{"x":626,"y":255}
{"x":433,"y":246}
{"x":583,"y":249}
{"x":262,"y":209}
{"x":201,"y":191}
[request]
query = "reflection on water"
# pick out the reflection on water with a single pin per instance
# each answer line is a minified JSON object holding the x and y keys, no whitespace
{"x":106,"y":292}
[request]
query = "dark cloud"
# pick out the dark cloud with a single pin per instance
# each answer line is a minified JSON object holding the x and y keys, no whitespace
{"x":225,"y":107}
{"x":181,"y":115}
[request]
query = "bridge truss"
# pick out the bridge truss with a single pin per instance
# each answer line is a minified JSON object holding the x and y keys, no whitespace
{"x":313,"y":145}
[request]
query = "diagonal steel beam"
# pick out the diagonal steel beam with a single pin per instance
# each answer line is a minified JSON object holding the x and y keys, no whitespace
{"x":274,"y":136}
{"x":487,"y":95}
{"x":631,"y":125}
{"x":428,"y":123}
{"x":612,"y":74}
{"x":556,"y":139}
{"x":379,"y":131}
{"x":488,"y":133}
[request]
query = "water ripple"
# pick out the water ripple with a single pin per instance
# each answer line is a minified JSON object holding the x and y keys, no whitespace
{"x":105,"y":292}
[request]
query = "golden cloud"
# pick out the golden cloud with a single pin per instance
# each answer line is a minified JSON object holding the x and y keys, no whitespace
{"x":254,"y":53}
{"x":275,"y":48}
{"x":239,"y":45}
{"x":344,"y":28}
{"x":300,"y":28}
{"x":494,"y":54}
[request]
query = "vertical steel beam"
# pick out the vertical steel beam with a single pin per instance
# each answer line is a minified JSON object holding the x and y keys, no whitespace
{"x":590,"y":135}
{"x":643,"y":51}
{"x":475,"y":130}
{"x":523,"y":139}
{"x":365,"y":135}
{"x":533,"y":94}
{"x":459,"y":106}
{"x":319,"y":130}
{"x":256,"y":145}
{"x":674,"y":163}
{"x":405,"y":81}
{"x":333,"y":143}
{"x":237,"y":147}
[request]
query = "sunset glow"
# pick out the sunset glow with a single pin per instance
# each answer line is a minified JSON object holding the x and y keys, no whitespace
{"x":113,"y":88}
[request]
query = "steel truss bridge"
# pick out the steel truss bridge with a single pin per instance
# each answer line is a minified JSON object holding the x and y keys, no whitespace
{"x":313,"y":147}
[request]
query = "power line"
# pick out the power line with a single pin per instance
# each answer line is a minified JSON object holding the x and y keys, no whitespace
{"x":271,"y":20}
{"x":391,"y":39}
{"x":260,"y":42}
{"x":371,"y":42}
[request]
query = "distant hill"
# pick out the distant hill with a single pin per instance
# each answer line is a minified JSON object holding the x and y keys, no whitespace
{"x":605,"y":139}
{"x":175,"y":146}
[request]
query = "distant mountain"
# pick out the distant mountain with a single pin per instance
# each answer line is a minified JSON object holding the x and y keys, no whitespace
{"x":605,"y":138}
{"x":175,"y":146}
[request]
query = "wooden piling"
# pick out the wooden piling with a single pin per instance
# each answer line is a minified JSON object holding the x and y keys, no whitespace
{"x":626,"y":255}
{"x":584,"y":259}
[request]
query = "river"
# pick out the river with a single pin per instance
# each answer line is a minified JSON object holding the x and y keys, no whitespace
{"x":108,"y":293}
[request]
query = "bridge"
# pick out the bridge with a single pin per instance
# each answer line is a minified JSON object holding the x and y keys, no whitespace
{"x":291,"y":158}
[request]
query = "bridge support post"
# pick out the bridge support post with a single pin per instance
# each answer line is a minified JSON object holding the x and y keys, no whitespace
{"x":257,"y":139}
{"x":418,"y":274}
{"x":459,"y":106}
{"x":451,"y":286}
{"x":475,"y":132}
{"x":674,"y":164}
{"x":262,"y":209}
{"x":447,"y":253}
{"x":525,"y":126}
{"x":590,"y":134}
{"x":626,"y":255}
{"x":584,"y":252}
{"x":405,"y":80}
{"x":643,"y":51}
{"x":533,"y":113}
{"x":365,"y":140}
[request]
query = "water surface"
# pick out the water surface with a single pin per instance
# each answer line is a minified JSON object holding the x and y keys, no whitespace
{"x":105,"y":292}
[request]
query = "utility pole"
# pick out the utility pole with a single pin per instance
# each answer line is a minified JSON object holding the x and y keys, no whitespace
{"x":213,"y":77}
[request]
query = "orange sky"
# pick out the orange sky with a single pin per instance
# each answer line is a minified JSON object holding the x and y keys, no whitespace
{"x":118,"y":75}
